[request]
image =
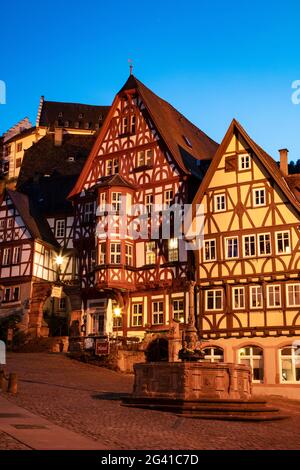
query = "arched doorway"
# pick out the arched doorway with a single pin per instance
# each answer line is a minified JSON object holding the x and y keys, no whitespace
{"x":158,"y":350}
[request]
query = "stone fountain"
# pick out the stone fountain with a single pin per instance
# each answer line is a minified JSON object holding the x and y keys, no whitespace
{"x":196,"y":389}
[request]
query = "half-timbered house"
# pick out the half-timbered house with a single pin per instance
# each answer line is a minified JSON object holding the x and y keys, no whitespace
{"x":147,"y":153}
{"x":248,"y":267}
{"x":27,"y":257}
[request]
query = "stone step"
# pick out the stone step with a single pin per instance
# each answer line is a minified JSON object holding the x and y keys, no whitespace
{"x":236,"y":417}
{"x":241,"y":411}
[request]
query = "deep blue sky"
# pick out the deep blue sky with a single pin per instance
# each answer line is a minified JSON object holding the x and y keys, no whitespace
{"x":212,"y":60}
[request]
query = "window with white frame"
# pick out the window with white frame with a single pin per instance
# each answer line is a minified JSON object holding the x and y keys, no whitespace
{"x":149,"y":157}
{"x":158,"y":313}
{"x":6,"y":256}
{"x":264,"y":244}
{"x":249,"y":245}
{"x":109,"y":166}
{"x":253,"y":357}
{"x":274,"y":296}
{"x":220,"y":202}
{"x":102,"y":253}
{"x":116,"y":201}
{"x":256,"y":297}
{"x":178,"y":310}
{"x":214,"y":299}
{"x":132,"y":124}
{"x":232,"y":248}
{"x":125,"y":126}
{"x":115,"y":253}
{"x":10,"y":223}
{"x":11,"y":294}
{"x":289,"y":364}
{"x":60,"y":228}
{"x":150,"y":252}
{"x":149,"y":199}
{"x":129,"y":255}
{"x":173,"y":252}
{"x":17,"y":254}
{"x":102,"y":200}
{"x":89,"y":212}
{"x":169,"y":197}
{"x":238,"y":298}
{"x":283,"y":243}
{"x":293,"y":295}
{"x":145,"y":158}
{"x":244,"y":162}
{"x":210,"y":252}
{"x":137,"y":314}
{"x":141,"y":158}
{"x":112,"y":167}
{"x":46,"y":258}
{"x":259,"y":197}
{"x":115,"y":166}
{"x":213,"y":354}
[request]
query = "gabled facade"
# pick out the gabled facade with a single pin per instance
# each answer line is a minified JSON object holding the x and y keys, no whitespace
{"x":27,"y":256}
{"x":248,"y":269}
{"x":146,"y":153}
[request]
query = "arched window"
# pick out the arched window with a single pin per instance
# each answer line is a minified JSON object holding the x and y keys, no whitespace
{"x":253,"y":356}
{"x":290,"y":364}
{"x":213,"y":354}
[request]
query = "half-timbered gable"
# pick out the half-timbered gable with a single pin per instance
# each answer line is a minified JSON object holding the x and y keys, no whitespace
{"x":147,"y":154}
{"x":248,"y":267}
{"x":27,"y":251}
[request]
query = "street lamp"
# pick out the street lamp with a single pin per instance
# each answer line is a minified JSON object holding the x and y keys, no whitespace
{"x":59,"y":261}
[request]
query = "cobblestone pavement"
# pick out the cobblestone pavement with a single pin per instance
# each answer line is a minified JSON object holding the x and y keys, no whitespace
{"x":9,"y":443}
{"x":86,"y":399}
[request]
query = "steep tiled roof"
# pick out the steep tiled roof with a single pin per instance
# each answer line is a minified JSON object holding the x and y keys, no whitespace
{"x":182,"y":137}
{"x":54,"y":114}
{"x":34,"y":221}
{"x":44,"y":158}
{"x":115,"y":180}
{"x":294,"y":184}
{"x":190,"y":147}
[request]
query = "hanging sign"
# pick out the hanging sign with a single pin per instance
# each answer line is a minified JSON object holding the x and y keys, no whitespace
{"x":56,"y":292}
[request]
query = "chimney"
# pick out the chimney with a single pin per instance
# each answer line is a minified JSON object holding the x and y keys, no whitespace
{"x":284,"y":161}
{"x":58,"y":136}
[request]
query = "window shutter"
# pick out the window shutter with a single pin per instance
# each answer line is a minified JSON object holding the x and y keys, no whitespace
{"x":231,"y":163}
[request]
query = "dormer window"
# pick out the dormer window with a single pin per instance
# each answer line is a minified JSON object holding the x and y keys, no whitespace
{"x":60,"y":115}
{"x":80,"y":116}
{"x":187,"y":141}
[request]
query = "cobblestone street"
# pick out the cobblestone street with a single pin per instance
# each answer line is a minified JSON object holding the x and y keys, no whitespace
{"x":86,"y":399}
